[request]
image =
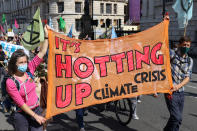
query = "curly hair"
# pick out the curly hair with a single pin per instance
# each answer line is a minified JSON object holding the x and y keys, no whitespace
{"x":12,"y":67}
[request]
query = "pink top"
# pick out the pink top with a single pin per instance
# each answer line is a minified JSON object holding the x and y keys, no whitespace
{"x":19,"y":97}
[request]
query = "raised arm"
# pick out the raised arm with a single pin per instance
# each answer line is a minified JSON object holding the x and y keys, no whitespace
{"x":44,"y":45}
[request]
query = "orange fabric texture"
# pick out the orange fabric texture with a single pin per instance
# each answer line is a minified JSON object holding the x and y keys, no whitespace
{"x":87,"y":72}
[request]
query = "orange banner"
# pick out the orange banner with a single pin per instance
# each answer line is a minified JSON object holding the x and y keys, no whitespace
{"x":87,"y":72}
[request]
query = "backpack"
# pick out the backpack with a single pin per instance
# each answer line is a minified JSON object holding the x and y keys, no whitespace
{"x":7,"y":102}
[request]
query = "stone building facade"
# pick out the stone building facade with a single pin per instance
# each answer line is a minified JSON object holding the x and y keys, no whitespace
{"x":22,"y":11}
{"x":72,"y":11}
{"x":152,"y":14}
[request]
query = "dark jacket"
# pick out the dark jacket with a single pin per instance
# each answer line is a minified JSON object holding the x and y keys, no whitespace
{"x":2,"y":56}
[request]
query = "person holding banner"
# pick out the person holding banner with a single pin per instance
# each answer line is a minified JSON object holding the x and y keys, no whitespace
{"x":29,"y":114}
{"x":181,"y":68}
{"x":80,"y":113}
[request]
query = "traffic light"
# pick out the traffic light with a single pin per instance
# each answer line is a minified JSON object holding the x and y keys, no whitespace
{"x":108,"y":22}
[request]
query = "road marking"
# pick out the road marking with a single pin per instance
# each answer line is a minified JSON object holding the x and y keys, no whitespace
{"x":192,"y":86}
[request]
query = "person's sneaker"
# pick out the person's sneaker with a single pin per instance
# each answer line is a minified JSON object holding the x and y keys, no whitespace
{"x":135,"y":117}
{"x":85,"y":113}
{"x":82,"y":129}
{"x":139,"y":101}
{"x":155,"y":95}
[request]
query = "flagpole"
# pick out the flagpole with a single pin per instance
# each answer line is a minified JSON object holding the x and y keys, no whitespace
{"x":92,"y":19}
{"x":164,"y":8}
{"x":185,"y":30}
{"x":6,"y":25}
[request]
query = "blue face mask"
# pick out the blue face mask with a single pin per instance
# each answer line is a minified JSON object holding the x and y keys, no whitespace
{"x":22,"y":68}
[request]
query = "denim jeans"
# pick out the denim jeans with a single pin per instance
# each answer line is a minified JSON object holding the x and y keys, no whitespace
{"x":79,"y":116}
{"x":175,"y":107}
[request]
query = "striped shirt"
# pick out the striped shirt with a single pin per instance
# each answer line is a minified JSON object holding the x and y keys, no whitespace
{"x":180,"y":67}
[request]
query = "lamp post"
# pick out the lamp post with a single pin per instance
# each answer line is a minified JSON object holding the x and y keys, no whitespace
{"x":92,"y":20}
{"x":18,"y":10}
{"x":18,"y":1}
{"x":92,"y":8}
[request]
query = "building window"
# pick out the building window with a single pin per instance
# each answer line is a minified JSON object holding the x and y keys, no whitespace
{"x":108,"y":22}
{"x":30,"y":2}
{"x":78,"y":25}
{"x":115,"y":8}
{"x":102,"y":23}
{"x":21,"y":4}
{"x":115,"y":23}
{"x":60,"y":6}
{"x":101,"y":8}
{"x":35,"y":8}
{"x":125,"y":9}
{"x":169,"y":0}
{"x":48,"y":8}
{"x":25,"y":3}
{"x":108,"y":8}
{"x":77,"y":7}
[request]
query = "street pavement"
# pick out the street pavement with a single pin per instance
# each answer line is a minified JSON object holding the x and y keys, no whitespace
{"x":152,"y":112}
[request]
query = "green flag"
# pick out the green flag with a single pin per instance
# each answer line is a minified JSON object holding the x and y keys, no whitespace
{"x":34,"y":34}
{"x":3,"y":18}
{"x":105,"y":36}
{"x":62,"y":24}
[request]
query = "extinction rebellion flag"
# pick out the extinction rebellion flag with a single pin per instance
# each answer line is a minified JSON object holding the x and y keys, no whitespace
{"x":34,"y":34}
